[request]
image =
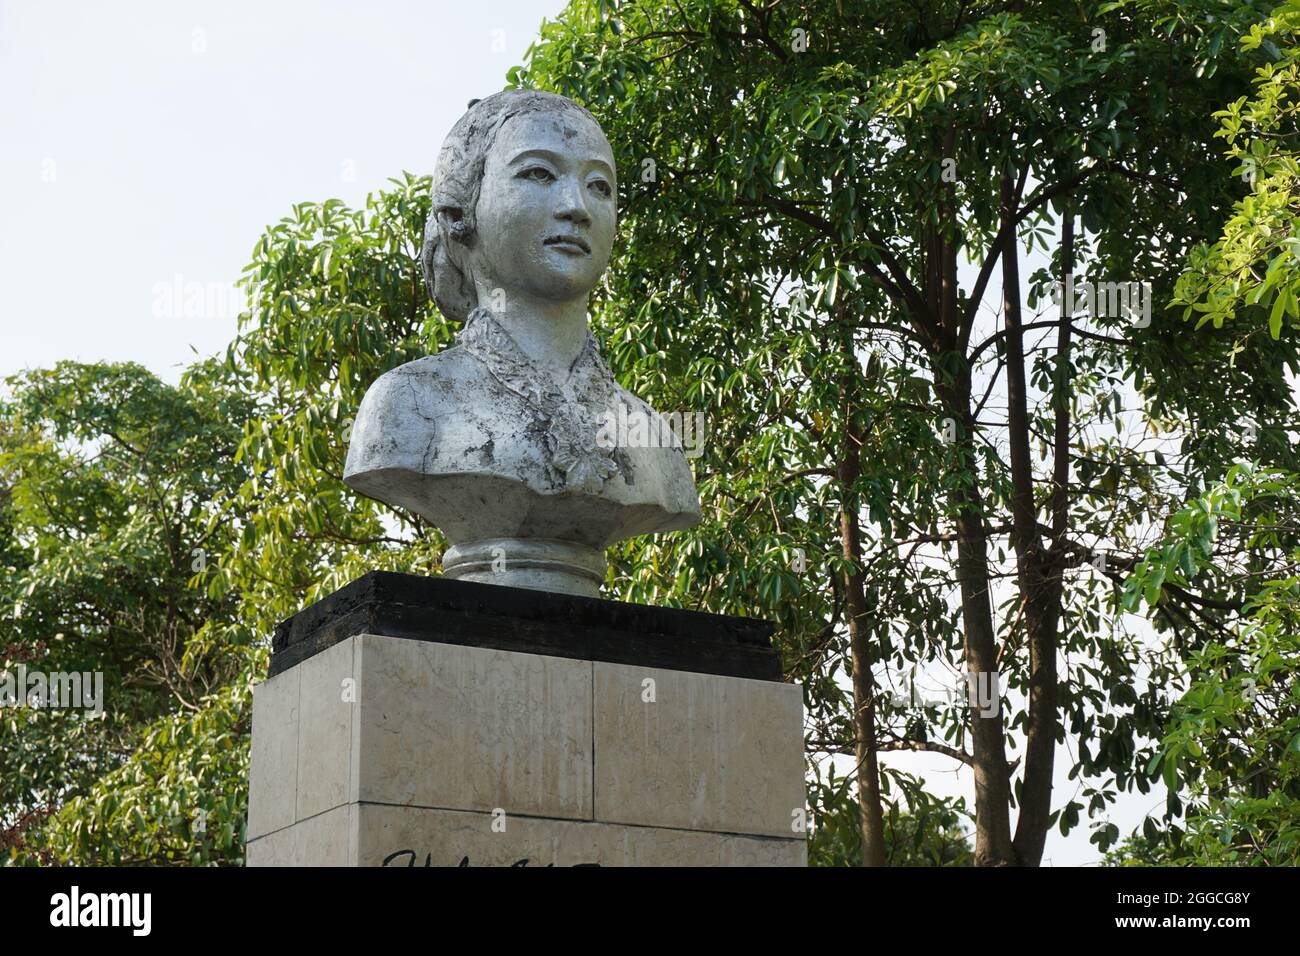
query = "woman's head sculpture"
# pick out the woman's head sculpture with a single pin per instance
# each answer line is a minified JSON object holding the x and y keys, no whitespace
{"x":521,"y":145}
{"x":504,"y":441}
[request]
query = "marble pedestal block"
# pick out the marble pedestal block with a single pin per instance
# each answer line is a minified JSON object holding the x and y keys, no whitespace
{"x":416,"y":721}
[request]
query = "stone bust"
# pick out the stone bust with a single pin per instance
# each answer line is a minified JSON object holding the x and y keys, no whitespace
{"x":498,"y":440}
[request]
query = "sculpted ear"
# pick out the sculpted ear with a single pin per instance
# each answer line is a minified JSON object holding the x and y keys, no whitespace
{"x":452,"y":221}
{"x":445,"y":260}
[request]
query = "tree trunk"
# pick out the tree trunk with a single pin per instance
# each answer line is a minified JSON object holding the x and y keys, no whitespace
{"x":988,"y":749}
{"x":1039,"y":570}
{"x":864,"y":689}
{"x":993,"y":846}
{"x":855,"y":599}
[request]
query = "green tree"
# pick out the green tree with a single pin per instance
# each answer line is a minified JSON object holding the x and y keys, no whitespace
{"x":1250,"y":272}
{"x":336,"y":299}
{"x":1234,"y":737}
{"x":802,"y":184}
{"x":339,"y":299}
{"x":110,"y":481}
{"x":930,"y":832}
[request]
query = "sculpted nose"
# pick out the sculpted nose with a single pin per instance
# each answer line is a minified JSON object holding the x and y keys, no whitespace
{"x":571,"y":207}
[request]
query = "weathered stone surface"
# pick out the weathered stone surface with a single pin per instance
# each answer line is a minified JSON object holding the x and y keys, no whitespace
{"x":327,"y":839}
{"x":412,"y":836}
{"x":325,"y":751}
{"x":273,"y":756}
{"x":473,"y":729}
{"x":502,"y":441}
{"x":695,"y":751}
{"x":376,"y":745}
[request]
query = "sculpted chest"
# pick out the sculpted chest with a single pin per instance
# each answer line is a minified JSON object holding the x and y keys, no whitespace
{"x":502,"y":458}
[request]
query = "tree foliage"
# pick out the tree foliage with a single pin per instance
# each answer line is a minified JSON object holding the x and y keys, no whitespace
{"x":112,"y":482}
{"x":1234,"y":738}
{"x":802,"y":185}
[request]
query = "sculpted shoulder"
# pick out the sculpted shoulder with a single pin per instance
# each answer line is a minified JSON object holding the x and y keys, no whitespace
{"x":397,"y":425}
{"x":658,"y":467}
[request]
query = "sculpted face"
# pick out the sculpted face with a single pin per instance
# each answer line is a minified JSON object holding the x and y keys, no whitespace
{"x":547,"y":208}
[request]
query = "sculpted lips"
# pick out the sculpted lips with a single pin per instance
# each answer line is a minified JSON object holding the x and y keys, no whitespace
{"x":568,"y":243}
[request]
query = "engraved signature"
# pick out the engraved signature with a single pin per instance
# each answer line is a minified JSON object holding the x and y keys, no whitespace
{"x":396,"y":859}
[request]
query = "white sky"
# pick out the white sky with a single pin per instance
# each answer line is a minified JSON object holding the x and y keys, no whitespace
{"x":174,"y":132}
{"x":148,"y":148}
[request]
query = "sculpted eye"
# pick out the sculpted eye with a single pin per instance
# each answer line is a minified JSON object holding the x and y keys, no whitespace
{"x":602,"y":187}
{"x":538,"y":174}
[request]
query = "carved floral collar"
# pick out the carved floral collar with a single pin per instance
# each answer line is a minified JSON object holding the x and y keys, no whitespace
{"x":570,"y":410}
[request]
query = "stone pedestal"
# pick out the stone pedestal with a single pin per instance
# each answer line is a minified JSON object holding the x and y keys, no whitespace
{"x":415,"y":721}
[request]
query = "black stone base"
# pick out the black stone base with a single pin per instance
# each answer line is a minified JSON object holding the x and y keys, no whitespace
{"x":533,"y":622}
